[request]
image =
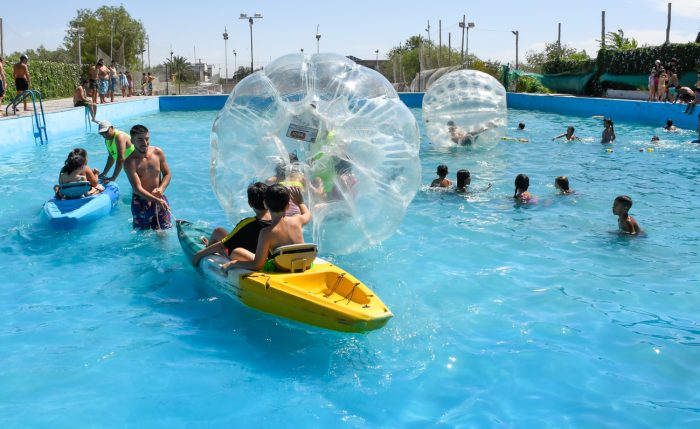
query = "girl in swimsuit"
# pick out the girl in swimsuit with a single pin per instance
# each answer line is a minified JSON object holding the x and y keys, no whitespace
{"x":522,"y":195}
{"x":75,"y":169}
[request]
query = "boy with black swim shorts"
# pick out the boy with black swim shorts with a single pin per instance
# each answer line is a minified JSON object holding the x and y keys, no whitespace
{"x":246,"y":232}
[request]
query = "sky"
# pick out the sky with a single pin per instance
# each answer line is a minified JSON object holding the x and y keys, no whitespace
{"x":357,"y":27}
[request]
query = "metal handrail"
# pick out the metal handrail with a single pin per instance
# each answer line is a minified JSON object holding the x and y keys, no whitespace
{"x":38,"y":127}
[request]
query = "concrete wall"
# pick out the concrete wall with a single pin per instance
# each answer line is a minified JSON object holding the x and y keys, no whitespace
{"x":18,"y":130}
{"x":192,"y":102}
{"x":644,"y":112}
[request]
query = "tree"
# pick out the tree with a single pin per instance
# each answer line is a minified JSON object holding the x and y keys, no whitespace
{"x":128,"y":35}
{"x":60,"y":55}
{"x":618,"y":41}
{"x":180,"y":68}
{"x":553,"y":53}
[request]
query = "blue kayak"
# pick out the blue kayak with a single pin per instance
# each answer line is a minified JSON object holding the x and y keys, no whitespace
{"x":66,"y":214}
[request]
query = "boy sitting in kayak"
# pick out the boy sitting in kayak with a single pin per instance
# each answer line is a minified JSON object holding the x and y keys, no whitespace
{"x":283,"y":231}
{"x":244,"y":235}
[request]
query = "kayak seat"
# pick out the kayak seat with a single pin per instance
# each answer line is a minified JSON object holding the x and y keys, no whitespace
{"x":74,"y":189}
{"x":295,"y":257}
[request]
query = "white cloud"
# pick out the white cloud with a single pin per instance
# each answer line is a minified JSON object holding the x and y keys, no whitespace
{"x":657,"y":37}
{"x":684,"y":8}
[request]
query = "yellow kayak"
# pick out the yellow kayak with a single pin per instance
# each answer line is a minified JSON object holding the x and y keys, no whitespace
{"x":323,"y":295}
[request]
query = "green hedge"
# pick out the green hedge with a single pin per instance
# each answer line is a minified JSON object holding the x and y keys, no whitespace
{"x":54,"y":80}
{"x":641,"y":60}
{"x":570,"y":66}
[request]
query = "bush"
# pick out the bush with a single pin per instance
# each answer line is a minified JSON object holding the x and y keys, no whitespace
{"x":531,"y":85}
{"x":641,"y":60}
{"x":53,"y":80}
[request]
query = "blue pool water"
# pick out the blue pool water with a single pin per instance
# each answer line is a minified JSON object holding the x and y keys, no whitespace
{"x":505,"y":316}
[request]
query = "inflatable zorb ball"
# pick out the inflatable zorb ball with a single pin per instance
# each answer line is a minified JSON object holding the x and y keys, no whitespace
{"x":330,"y":125}
{"x":465,"y":108}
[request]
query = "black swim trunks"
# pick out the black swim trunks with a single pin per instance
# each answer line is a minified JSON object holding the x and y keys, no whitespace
{"x":93,"y":84}
{"x":81,"y":103}
{"x":21,"y":84}
{"x":245,"y":234}
{"x":2,"y":89}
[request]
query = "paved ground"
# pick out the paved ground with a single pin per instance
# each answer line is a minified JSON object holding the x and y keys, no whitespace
{"x":59,"y":104}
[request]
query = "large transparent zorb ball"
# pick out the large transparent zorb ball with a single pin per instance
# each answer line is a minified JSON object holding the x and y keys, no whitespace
{"x":465,"y":108}
{"x":330,"y":125}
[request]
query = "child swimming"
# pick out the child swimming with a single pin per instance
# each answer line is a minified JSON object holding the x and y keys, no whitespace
{"x":562,"y":184}
{"x":522,"y":195}
{"x":442,"y":181}
{"x":625,"y":222}
{"x":608,"y":131}
{"x":464,"y":179}
{"x":569,"y":134}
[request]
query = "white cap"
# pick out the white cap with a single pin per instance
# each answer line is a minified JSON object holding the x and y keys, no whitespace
{"x":104,"y":126}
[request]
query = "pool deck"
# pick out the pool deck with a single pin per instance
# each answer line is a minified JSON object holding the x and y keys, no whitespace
{"x":61,"y":104}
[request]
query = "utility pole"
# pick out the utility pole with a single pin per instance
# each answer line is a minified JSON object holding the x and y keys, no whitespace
{"x":148,"y":45}
{"x":462,"y":25}
{"x":449,"y":49}
{"x":2,"y":47}
{"x":420,"y":60}
{"x":602,"y":30}
{"x":111,"y":41}
{"x":376,"y":64}
{"x":558,"y":40}
{"x":439,"y":41}
{"x":318,"y":39}
{"x":429,"y":41}
{"x":226,"y":50}
{"x":517,"y":35}
{"x":668,"y":24}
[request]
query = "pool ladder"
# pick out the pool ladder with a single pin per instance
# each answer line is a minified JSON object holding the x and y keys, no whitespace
{"x":38,"y":120}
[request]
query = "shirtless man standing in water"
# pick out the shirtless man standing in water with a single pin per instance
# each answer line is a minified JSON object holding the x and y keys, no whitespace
{"x":149,"y":176}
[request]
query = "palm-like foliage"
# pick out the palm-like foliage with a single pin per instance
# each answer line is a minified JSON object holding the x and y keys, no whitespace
{"x":617,"y":41}
{"x":178,"y":67}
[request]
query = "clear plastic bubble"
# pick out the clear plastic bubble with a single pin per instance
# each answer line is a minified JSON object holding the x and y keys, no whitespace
{"x":465,"y":108}
{"x":337,"y":128}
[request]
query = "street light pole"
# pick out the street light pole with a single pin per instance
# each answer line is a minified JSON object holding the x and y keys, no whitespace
{"x":318,"y":39}
{"x":517,"y":35}
{"x":226,"y":51}
{"x":376,"y":64}
{"x":148,"y":45}
{"x":235,"y":66}
{"x":469,"y":25}
{"x":257,"y":15}
{"x":428,"y":31}
{"x":111,"y":40}
{"x":79,"y":31}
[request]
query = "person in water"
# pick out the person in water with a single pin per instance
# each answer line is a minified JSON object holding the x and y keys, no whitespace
{"x":149,"y":175}
{"x":244,"y":235}
{"x":625,"y":222}
{"x":464,"y":138}
{"x":608,"y":131}
{"x":442,"y":181}
{"x":522,"y":195}
{"x":521,"y":126}
{"x":283,"y":230}
{"x":569,"y":134}
{"x":75,"y":169}
{"x":119,"y":147}
{"x":562,"y":185}
{"x":670,"y":127}
{"x":464,"y":179}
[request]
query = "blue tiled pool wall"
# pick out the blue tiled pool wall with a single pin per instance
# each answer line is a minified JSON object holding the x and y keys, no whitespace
{"x":60,"y":124}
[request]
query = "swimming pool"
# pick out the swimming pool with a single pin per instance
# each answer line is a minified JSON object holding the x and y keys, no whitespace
{"x":505,"y":316}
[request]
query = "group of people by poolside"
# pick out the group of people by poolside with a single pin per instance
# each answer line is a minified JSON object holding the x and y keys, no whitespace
{"x":146,"y":168}
{"x":104,"y":81}
{"x":664,"y":86}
